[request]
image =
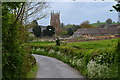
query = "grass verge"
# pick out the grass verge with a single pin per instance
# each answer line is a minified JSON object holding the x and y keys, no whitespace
{"x":32,"y":73}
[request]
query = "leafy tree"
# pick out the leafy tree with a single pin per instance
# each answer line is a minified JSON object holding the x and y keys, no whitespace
{"x":70,"y":31}
{"x":117,"y":6}
{"x":37,"y":31}
{"x":86,"y":22}
{"x":36,"y":28}
{"x":62,"y":25}
{"x":11,"y":44}
{"x":109,"y":21}
{"x":117,"y":58}
{"x":86,"y":26}
{"x":44,"y":32}
{"x":34,"y":23}
{"x":16,"y":57}
{"x":63,"y":33}
{"x":98,"y":21}
{"x":49,"y":31}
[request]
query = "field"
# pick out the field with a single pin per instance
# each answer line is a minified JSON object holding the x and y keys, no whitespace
{"x":97,"y":24}
{"x":94,"y":59}
{"x":99,"y":44}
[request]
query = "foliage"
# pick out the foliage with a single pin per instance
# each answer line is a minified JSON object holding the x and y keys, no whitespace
{"x":86,"y":26}
{"x":16,"y":58}
{"x":71,"y":29}
{"x":35,"y":28}
{"x":86,"y":22}
{"x":117,"y":61}
{"x":98,"y":21}
{"x":37,"y":31}
{"x":94,"y":59}
{"x":117,"y":7}
{"x":32,"y":72}
{"x":63,"y":32}
{"x":49,"y":31}
{"x":35,"y":8}
{"x":33,"y":24}
{"x":109,"y":21}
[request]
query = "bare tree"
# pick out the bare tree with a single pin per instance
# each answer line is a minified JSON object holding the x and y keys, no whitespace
{"x":30,"y":11}
{"x":35,"y":11}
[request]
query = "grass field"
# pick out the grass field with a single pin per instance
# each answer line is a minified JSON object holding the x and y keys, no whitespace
{"x":94,"y":59}
{"x":95,"y":44}
{"x":99,"y":44}
{"x":97,"y":24}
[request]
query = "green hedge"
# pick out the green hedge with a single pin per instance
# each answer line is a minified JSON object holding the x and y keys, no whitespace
{"x":92,"y":63}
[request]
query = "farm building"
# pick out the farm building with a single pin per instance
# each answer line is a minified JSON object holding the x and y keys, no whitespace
{"x":100,"y":31}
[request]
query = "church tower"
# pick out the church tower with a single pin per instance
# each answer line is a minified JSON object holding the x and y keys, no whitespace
{"x":55,"y":22}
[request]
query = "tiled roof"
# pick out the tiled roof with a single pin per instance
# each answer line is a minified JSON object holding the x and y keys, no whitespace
{"x":101,"y":31}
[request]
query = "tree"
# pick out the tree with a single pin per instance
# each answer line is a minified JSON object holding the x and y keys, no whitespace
{"x":63,"y":32}
{"x":86,"y":22}
{"x":117,"y":6}
{"x":34,"y":23}
{"x":37,"y":31}
{"x":70,"y":31}
{"x":35,"y":11}
{"x":36,"y":28}
{"x":98,"y":21}
{"x":16,"y":57}
{"x":62,"y":25}
{"x":14,"y":36}
{"x":49,"y":31}
{"x":109,"y":21}
{"x":86,"y":26}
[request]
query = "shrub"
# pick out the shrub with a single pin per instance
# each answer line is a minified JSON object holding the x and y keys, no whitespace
{"x":16,"y":57}
{"x":108,"y":21}
{"x":92,"y":63}
{"x":37,"y":31}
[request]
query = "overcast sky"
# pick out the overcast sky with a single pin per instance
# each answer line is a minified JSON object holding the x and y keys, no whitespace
{"x":77,"y":12}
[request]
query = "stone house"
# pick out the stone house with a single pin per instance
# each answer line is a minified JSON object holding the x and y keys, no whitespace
{"x":104,"y":31}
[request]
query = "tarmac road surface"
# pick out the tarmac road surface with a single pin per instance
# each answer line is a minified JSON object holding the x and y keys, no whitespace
{"x":53,"y":68}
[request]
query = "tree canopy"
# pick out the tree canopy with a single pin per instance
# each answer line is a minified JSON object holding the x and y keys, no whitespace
{"x":117,"y":6}
{"x":16,"y":53}
{"x":109,"y":21}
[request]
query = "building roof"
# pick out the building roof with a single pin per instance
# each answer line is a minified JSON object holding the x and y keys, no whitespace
{"x":97,"y":31}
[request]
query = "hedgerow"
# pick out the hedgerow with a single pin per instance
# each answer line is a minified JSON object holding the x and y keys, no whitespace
{"x":16,"y":54}
{"x":92,"y":63}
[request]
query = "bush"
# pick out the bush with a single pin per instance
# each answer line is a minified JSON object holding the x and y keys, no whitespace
{"x":16,"y":57}
{"x":92,"y":63}
{"x":37,"y":31}
{"x":109,"y":21}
